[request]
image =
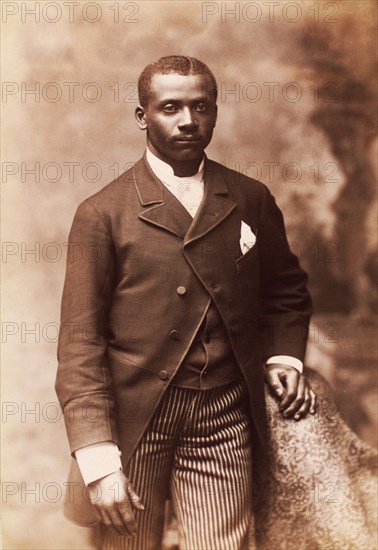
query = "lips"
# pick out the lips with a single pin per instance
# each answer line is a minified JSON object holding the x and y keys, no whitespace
{"x":186,"y":139}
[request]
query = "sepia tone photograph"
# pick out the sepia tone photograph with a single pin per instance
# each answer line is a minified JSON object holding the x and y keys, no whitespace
{"x":189,"y":275}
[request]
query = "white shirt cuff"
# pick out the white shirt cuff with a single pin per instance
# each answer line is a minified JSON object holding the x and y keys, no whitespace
{"x":286,"y":360}
{"x":98,"y":460}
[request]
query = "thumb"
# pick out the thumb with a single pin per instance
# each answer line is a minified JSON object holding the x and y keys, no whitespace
{"x":134,"y":498}
{"x":274,"y":382}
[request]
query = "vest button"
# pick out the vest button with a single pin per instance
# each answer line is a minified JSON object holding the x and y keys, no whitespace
{"x":181,"y":290}
{"x":163,"y":375}
{"x":174,"y":335}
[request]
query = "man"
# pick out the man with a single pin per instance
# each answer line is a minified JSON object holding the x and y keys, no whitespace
{"x":181,"y":294}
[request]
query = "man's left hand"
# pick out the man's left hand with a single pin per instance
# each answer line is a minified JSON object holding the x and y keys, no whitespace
{"x":296,"y":398}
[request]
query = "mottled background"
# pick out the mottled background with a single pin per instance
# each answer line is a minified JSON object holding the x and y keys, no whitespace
{"x":296,"y":106}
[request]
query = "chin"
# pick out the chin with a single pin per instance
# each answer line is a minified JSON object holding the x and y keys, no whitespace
{"x":188,"y":155}
{"x":191,"y":157}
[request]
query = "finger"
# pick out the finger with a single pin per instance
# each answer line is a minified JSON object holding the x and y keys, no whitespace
{"x":314,"y":401}
{"x":292,"y":380}
{"x":297,"y":402}
{"x":274,"y":382}
{"x":107,"y":521}
{"x":98,"y":514}
{"x":302,"y":412}
{"x":127,"y":517}
{"x":102,"y":515}
{"x":120,"y":525}
{"x":134,"y":498}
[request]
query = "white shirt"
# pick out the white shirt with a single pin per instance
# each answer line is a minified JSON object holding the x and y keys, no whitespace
{"x":188,"y":190}
{"x":101,"y":459}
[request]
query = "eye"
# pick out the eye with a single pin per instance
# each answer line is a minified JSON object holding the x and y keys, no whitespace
{"x":170,"y":108}
{"x":200,"y":107}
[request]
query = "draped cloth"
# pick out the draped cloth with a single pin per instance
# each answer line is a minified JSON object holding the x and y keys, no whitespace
{"x":319,"y":491}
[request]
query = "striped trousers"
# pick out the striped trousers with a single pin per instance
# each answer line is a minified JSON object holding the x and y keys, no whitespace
{"x":196,"y":450}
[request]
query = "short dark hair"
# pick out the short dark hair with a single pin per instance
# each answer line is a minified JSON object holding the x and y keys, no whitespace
{"x":179,"y":64}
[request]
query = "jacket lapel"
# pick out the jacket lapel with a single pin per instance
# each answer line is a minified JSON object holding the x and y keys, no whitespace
{"x":166,"y":212}
{"x":216,"y":205}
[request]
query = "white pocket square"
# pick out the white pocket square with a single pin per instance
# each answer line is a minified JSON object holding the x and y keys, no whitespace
{"x":247,"y":237}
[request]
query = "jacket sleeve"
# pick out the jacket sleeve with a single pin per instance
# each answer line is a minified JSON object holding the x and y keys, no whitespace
{"x":285,"y":303}
{"x":83,"y":383}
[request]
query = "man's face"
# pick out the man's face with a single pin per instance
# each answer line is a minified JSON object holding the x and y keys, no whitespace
{"x":180,"y":116}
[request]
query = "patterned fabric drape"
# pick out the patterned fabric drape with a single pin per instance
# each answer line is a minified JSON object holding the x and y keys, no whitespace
{"x":321,"y":492}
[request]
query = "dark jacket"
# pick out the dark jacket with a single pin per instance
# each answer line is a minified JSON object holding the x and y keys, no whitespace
{"x":125,"y":326}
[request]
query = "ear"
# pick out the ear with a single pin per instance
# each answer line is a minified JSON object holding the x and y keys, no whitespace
{"x":216,"y":115}
{"x":141,"y":118}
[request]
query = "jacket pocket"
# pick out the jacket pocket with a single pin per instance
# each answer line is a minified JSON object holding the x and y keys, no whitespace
{"x":247,"y":259}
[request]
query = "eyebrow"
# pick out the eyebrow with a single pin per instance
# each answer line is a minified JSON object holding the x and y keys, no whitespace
{"x":175,"y":100}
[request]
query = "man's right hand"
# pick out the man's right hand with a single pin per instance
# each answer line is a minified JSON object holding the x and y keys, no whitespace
{"x":114,"y":498}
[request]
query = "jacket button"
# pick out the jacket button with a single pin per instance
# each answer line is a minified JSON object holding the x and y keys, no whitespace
{"x":163,"y":374}
{"x":174,"y":335}
{"x":181,"y":290}
{"x":206,"y":337}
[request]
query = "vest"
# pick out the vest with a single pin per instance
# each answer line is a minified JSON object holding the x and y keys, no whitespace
{"x":210,"y":361}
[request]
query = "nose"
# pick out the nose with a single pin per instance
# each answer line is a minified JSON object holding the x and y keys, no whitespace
{"x":187,"y":120}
